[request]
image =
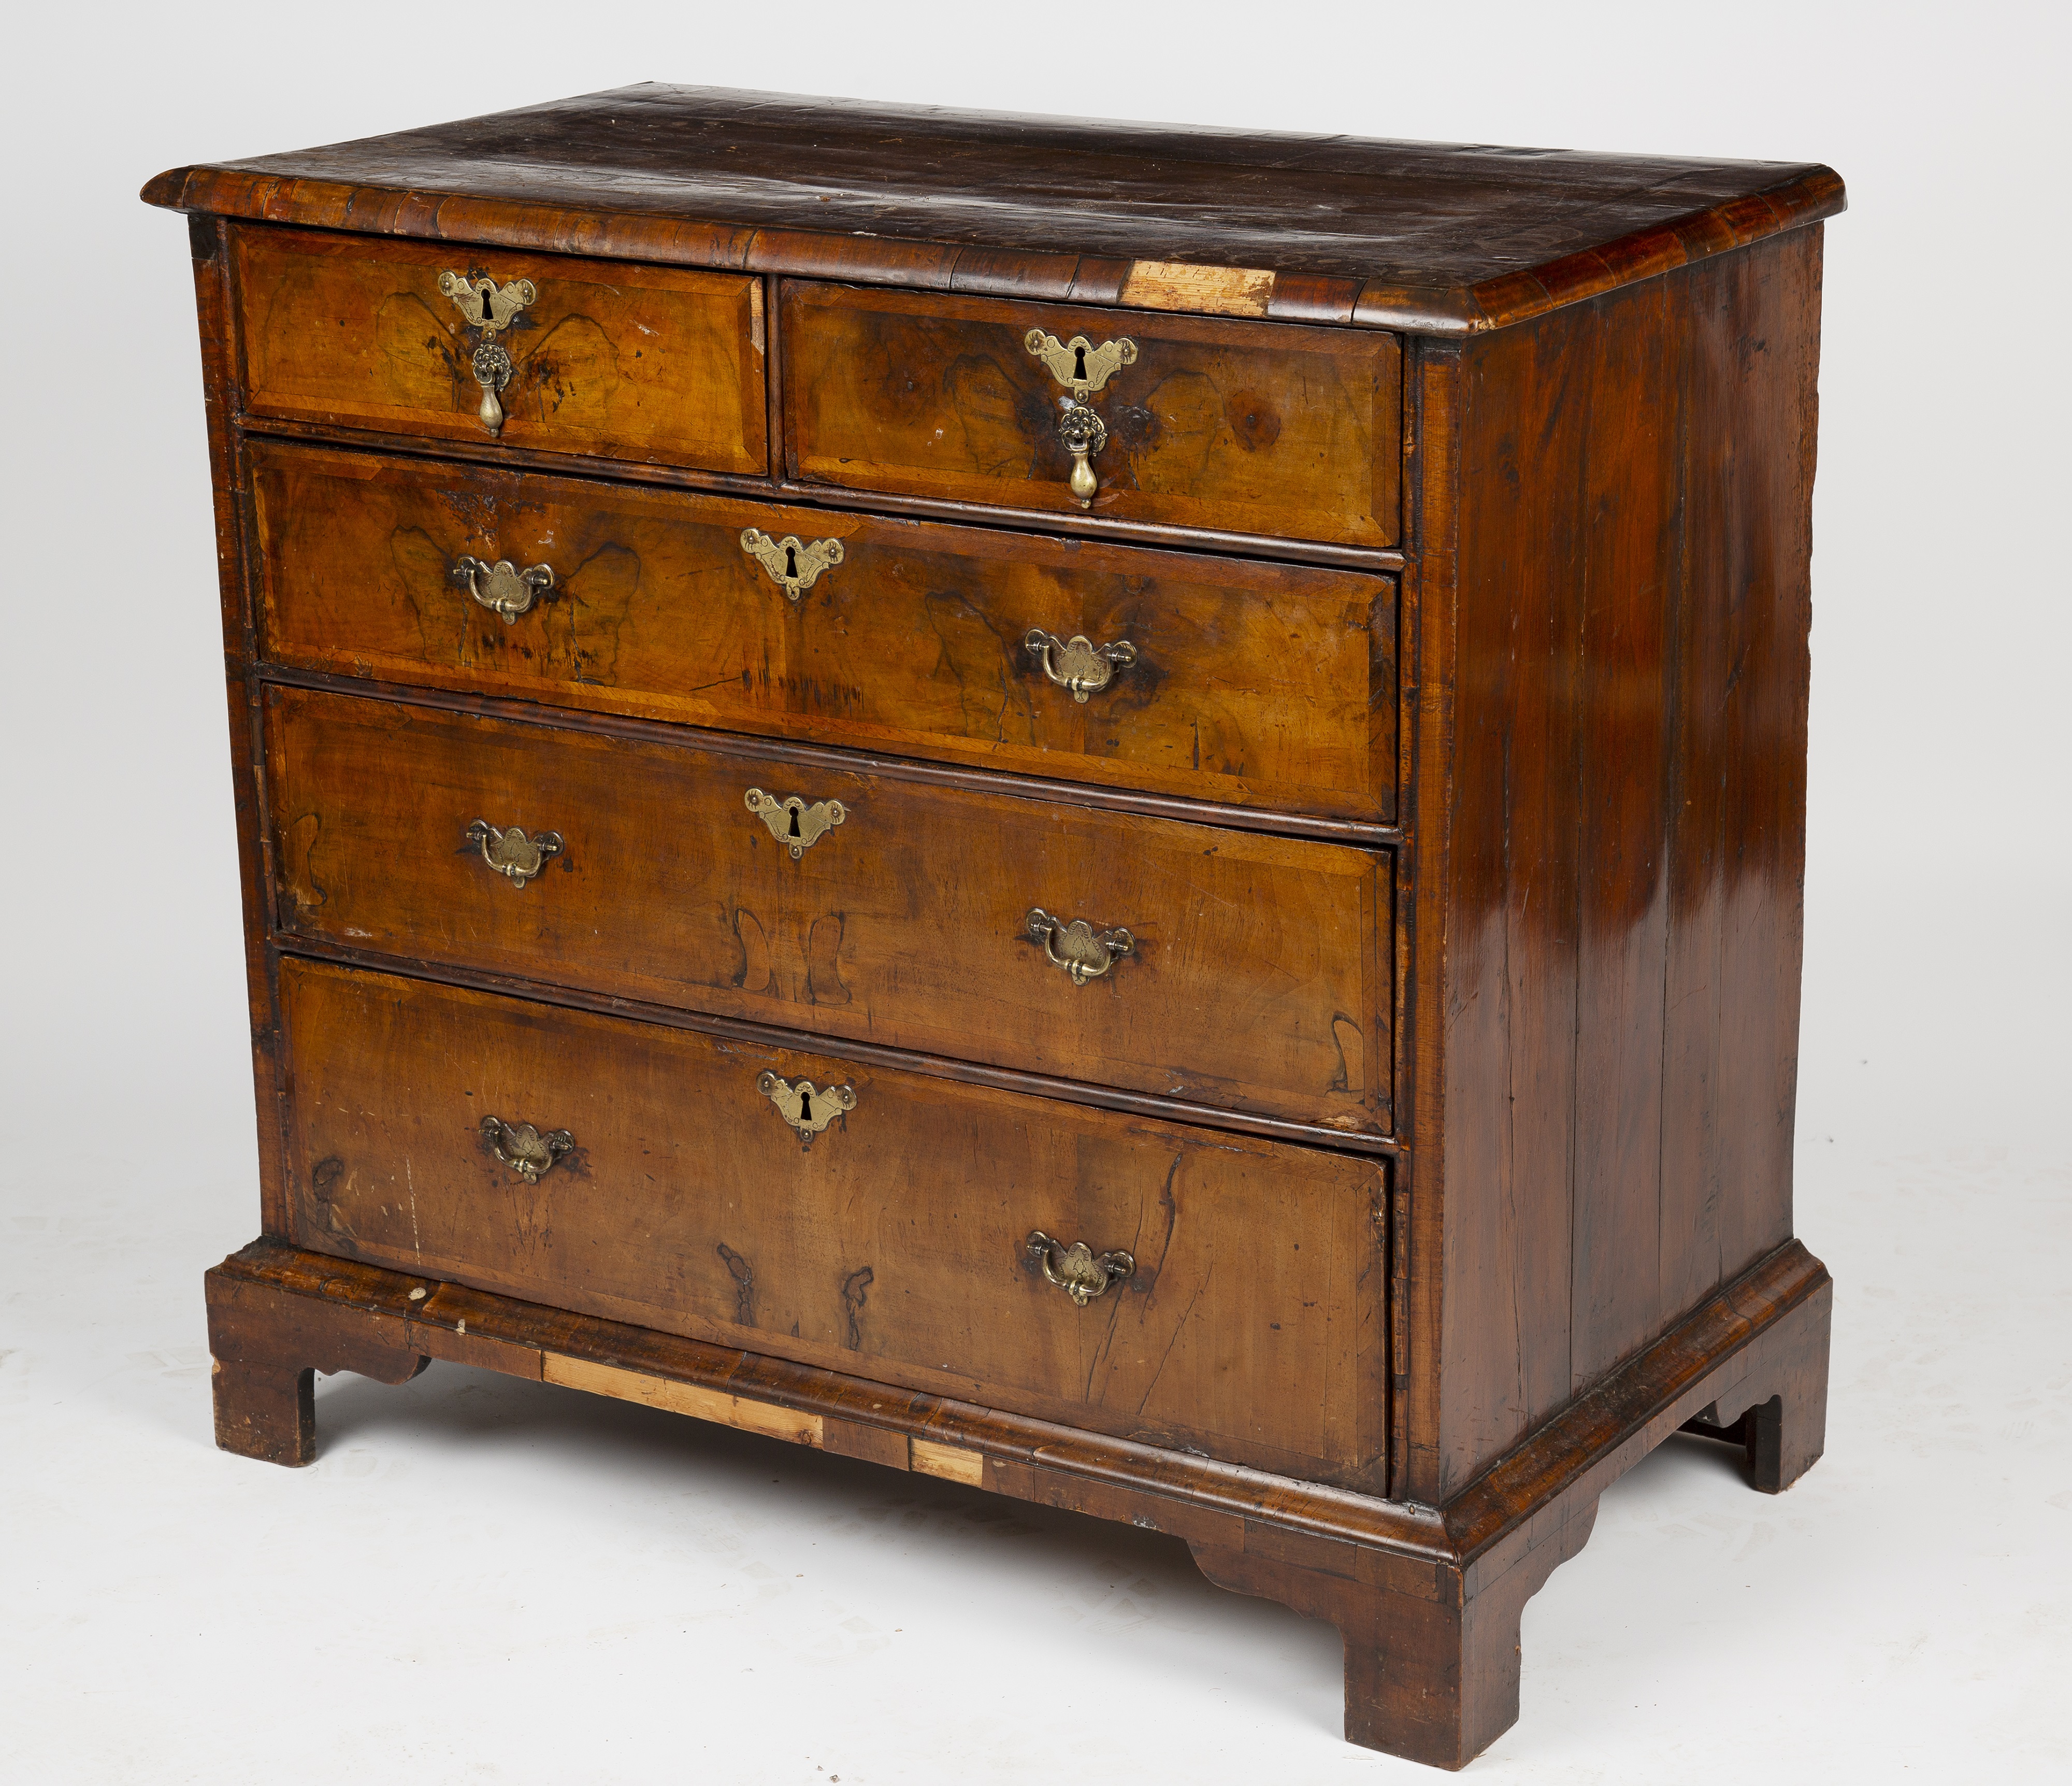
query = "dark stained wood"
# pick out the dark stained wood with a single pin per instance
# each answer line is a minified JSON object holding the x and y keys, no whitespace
{"x":1446,"y":238}
{"x":1615,"y":1019}
{"x":691,"y":1206}
{"x":1254,"y":683}
{"x":1254,"y":959}
{"x":637,"y":362}
{"x":1244,"y":427}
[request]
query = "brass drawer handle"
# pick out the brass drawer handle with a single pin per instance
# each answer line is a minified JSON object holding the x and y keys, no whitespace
{"x":804,"y":1105}
{"x":524,"y":1149}
{"x":793,"y":566}
{"x":517,"y":857}
{"x":1077,"y":664}
{"x":1081,"y":1274}
{"x":502,"y":587}
{"x":792,"y":821}
{"x":1082,"y":368}
{"x":488,"y":307}
{"x":1086,"y":953}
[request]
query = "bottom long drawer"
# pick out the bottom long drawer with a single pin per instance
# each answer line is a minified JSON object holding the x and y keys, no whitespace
{"x":679,"y":1181}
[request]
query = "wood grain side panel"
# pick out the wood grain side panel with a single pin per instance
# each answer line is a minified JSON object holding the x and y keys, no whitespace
{"x":1629,"y":509}
{"x":1275,"y":429}
{"x":892,"y":1248}
{"x":1253,"y":684}
{"x":1513,"y":910}
{"x":208,"y":241}
{"x":1251,"y":983}
{"x":1755,"y":378}
{"x":1625,"y":827}
{"x":649,"y":363}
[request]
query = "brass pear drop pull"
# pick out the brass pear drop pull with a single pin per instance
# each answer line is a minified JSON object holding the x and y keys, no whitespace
{"x":524,"y":1149}
{"x":794,"y":567}
{"x":1077,"y":664}
{"x":1082,"y":368}
{"x":1082,"y":952}
{"x":792,"y":821}
{"x":517,"y":857}
{"x":808,"y":1108}
{"x":502,"y":587}
{"x":488,"y":307}
{"x":1082,"y":1273}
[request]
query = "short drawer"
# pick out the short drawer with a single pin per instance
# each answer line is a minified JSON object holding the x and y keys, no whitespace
{"x":1221,"y":679}
{"x":1265,"y":428}
{"x":1253,"y":976}
{"x":664,"y":1186}
{"x":653,"y":364}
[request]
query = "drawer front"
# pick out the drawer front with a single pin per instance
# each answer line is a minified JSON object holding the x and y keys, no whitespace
{"x":1249,"y":683}
{"x":658,"y":365}
{"x":1253,"y":978}
{"x":1266,"y":428}
{"x":894,"y":1247}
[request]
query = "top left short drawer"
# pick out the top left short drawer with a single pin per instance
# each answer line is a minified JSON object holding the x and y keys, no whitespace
{"x":611,"y":360}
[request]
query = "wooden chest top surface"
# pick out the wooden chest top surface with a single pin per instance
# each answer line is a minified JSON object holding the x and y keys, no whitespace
{"x":1448,"y":236}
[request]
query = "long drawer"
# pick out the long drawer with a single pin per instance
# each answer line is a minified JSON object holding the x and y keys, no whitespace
{"x":1220,"y":679}
{"x":1246,"y":427}
{"x":612,"y":359}
{"x":1224,"y":967}
{"x":648,"y":1175}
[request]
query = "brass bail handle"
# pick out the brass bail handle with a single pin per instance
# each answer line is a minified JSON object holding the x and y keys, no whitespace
{"x":502,"y":587}
{"x":517,"y":857}
{"x":1082,"y":368}
{"x":524,"y":1149}
{"x":1077,"y":1269}
{"x":488,"y":308}
{"x":1082,"y":951}
{"x":1077,"y":665}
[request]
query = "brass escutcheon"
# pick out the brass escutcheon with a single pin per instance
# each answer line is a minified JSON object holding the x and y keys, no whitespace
{"x":794,"y":567}
{"x":804,"y":1105}
{"x":502,"y":587}
{"x":517,"y":857}
{"x":1077,"y":365}
{"x":1082,"y":368}
{"x":1077,"y":664}
{"x":523,"y":1148}
{"x":1082,"y":952}
{"x":488,"y":307}
{"x":792,"y":822}
{"x":1081,"y":1273}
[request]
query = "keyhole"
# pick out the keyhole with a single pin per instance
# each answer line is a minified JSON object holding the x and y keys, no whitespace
{"x":805,"y":1106}
{"x":795,"y":821}
{"x":791,"y":562}
{"x":486,"y":316}
{"x":1079,"y":365}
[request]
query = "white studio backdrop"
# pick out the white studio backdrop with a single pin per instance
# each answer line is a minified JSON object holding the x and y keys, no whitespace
{"x":500,"y":1584}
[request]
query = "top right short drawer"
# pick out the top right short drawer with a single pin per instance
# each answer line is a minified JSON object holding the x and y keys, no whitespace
{"x":1277,"y":430}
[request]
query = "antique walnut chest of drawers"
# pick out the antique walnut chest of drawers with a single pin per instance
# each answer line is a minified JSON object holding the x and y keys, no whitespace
{"x":1113,"y":812}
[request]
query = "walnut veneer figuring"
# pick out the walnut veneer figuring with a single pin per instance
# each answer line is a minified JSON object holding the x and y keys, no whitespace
{"x":1426,"y":762}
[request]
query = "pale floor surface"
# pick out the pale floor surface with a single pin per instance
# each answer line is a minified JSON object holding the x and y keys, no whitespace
{"x":487,"y":1581}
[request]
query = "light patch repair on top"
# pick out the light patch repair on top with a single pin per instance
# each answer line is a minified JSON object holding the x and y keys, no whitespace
{"x":1218,"y":290}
